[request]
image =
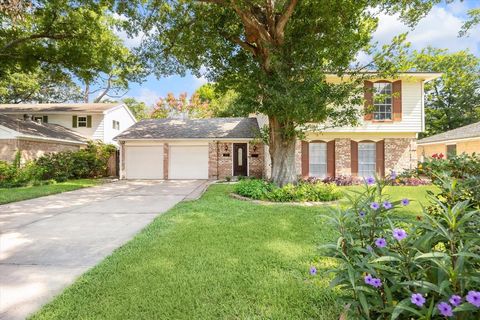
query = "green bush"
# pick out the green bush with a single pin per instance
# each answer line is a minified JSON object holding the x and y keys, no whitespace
{"x":90,"y":162}
{"x":304,"y":191}
{"x":399,"y":268}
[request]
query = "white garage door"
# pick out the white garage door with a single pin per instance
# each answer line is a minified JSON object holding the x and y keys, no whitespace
{"x":144,"y":162}
{"x":188,"y":162}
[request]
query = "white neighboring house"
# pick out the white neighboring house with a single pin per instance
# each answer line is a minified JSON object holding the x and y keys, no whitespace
{"x":96,"y":121}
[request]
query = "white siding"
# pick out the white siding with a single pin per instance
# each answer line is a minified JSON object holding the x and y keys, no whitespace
{"x":412,"y":114}
{"x":121,"y":115}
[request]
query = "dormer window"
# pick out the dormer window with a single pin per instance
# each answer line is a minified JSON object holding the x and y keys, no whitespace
{"x":383,"y":102}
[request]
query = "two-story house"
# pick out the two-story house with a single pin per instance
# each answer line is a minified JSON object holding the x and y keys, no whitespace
{"x":36,"y":129}
{"x":217,"y":148}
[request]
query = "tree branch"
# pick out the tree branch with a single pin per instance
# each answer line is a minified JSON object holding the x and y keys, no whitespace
{"x":34,"y":37}
{"x":282,"y":22}
{"x":245,"y":45}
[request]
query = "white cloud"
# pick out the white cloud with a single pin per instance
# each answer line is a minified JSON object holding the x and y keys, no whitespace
{"x":438,"y":29}
{"x":148,"y":96}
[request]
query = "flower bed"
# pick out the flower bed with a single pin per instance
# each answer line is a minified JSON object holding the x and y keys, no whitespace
{"x":302,"y":192}
{"x":398,"y":268}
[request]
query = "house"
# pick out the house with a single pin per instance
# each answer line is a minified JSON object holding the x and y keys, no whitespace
{"x":95,"y":121}
{"x":191,"y":149}
{"x":457,"y":141}
{"x":384,"y":140}
{"x":33,"y":139}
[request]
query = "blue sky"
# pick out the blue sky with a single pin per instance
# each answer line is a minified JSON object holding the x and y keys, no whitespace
{"x":439,"y":29}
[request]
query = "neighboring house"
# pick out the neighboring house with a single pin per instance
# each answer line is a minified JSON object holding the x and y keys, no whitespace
{"x":191,"y":149}
{"x":33,"y":139}
{"x":457,"y":141}
{"x":96,"y":121}
{"x":384,"y":140}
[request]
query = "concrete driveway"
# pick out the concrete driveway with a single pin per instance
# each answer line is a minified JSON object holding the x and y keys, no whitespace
{"x":46,"y":243}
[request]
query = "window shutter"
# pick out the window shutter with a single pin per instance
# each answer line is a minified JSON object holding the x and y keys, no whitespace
{"x":305,"y":160}
{"x":74,"y":121}
{"x":397,"y":100}
{"x":45,"y":119}
{"x":380,"y":149}
{"x":331,"y":159}
{"x":368,"y":96}
{"x":89,"y":121}
{"x":354,"y":157}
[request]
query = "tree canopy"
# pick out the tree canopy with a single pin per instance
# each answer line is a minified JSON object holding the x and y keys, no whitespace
{"x":274,"y":54}
{"x":452,"y":100}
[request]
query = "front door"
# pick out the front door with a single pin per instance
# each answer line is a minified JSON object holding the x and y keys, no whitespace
{"x":240,"y":159}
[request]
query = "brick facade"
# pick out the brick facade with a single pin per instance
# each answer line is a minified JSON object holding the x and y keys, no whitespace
{"x":343,"y":159}
{"x":165,"y":160}
{"x":32,"y":149}
{"x":256,"y":156}
{"x":400,"y":155}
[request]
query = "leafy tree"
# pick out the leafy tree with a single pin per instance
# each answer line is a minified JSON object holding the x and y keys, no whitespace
{"x":221,"y":104}
{"x":473,"y":20}
{"x":274,"y":54}
{"x":181,"y":107}
{"x":40,"y":86}
{"x":452,"y":100}
{"x":138,"y":108}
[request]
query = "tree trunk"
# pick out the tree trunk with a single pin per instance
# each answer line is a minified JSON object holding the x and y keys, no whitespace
{"x":282,"y":152}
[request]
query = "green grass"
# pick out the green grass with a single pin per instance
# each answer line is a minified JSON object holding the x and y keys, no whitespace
{"x":8,"y":195}
{"x":214,"y":258}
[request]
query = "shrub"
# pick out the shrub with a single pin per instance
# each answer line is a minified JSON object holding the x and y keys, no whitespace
{"x":304,"y":191}
{"x":423,"y":268}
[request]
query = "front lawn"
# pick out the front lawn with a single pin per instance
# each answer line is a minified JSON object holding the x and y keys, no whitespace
{"x":215,"y":258}
{"x":8,"y":195}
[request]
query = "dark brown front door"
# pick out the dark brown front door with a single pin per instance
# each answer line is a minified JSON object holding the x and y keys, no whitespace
{"x":240,"y":159}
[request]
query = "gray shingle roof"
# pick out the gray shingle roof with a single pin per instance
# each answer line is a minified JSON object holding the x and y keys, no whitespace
{"x":470,"y":131}
{"x":44,"y":130}
{"x":57,"y":107}
{"x":215,"y":128}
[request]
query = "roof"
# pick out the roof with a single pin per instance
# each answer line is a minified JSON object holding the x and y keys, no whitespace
{"x":40,"y":130}
{"x":470,"y":131}
{"x":58,"y":107}
{"x":214,"y":128}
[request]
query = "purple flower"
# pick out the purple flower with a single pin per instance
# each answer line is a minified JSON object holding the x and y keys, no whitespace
{"x":374,"y":205}
{"x":381,"y":243}
{"x":418,"y":299}
{"x":377,"y":283}
{"x":455,"y":300}
{"x":368,"y":279}
{"x":387,"y":205}
{"x":473,"y":297}
{"x":313,"y":271}
{"x":405,"y":202}
{"x":370,"y":180}
{"x":393,"y":175}
{"x":362,"y":214}
{"x":445,"y":309}
{"x":399,"y":234}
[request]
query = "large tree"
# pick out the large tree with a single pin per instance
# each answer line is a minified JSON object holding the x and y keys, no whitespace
{"x":452,"y":100}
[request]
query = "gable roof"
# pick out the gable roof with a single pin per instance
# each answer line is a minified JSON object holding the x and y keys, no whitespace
{"x":470,"y":131}
{"x":214,"y":128}
{"x":58,"y":107}
{"x":33,"y":129}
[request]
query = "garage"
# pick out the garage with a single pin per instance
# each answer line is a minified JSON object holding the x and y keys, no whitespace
{"x":188,"y":162}
{"x":144,"y":162}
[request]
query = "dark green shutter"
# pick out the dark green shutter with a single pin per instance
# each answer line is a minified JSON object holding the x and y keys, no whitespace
{"x":89,"y":121}
{"x":45,"y":119}
{"x":74,"y":121}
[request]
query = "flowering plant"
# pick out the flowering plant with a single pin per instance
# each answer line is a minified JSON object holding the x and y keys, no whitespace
{"x":396,"y":267}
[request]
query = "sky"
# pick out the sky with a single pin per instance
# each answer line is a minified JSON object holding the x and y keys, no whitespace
{"x":438,"y":29}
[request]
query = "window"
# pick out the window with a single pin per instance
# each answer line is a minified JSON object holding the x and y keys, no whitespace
{"x":82,"y":122}
{"x":382,"y":101}
{"x":317,"y":153}
{"x":451,"y":150}
{"x":116,"y":125}
{"x":367,"y":159}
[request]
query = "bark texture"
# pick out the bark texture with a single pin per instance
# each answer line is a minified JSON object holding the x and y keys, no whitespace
{"x":282,"y":153}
